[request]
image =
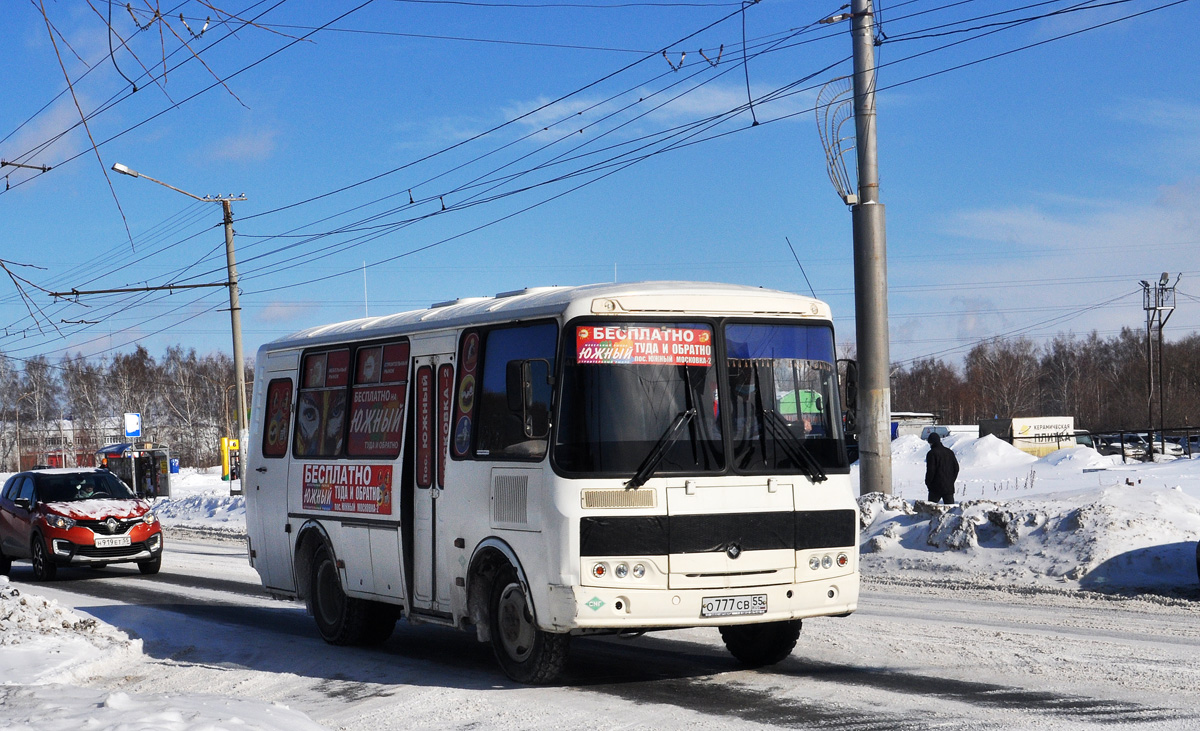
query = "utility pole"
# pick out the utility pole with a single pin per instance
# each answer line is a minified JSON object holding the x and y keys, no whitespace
{"x":235,"y":310}
{"x":1158,"y":300}
{"x":870,"y":271}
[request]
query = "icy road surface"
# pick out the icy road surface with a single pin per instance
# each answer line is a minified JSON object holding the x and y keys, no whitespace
{"x":914,"y":656}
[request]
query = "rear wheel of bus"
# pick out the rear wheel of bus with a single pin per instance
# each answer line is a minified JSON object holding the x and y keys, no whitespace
{"x":756,"y":645}
{"x":344,"y":620}
{"x":525,"y":653}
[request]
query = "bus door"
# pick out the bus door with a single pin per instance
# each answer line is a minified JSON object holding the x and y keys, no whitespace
{"x":433,"y":388}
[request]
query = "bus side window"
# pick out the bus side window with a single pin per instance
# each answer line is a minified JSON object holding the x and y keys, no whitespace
{"x":278,"y":418}
{"x":516,"y":426}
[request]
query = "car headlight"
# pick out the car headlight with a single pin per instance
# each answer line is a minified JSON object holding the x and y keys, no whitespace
{"x":61,"y":522}
{"x":150,"y":518}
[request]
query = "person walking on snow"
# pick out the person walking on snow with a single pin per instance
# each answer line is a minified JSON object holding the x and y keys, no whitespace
{"x":941,"y":470}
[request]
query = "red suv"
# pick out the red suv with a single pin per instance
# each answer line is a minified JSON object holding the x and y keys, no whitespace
{"x":76,"y":516}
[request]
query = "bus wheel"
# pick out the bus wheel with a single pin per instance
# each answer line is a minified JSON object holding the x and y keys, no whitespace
{"x":525,"y":653}
{"x":380,"y":623}
{"x":756,"y":645}
{"x":5,"y":564}
{"x":341,"y":620}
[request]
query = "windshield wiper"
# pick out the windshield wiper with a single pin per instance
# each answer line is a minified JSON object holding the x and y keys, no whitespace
{"x":792,"y":445}
{"x":648,"y":465}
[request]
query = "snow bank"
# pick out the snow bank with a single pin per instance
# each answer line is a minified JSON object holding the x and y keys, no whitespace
{"x":1118,"y":538}
{"x":200,"y":500}
{"x":42,"y":641}
{"x":47,"y":653}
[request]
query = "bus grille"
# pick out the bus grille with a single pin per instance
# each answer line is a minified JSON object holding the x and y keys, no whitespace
{"x":621,"y":498}
{"x":510,"y":500}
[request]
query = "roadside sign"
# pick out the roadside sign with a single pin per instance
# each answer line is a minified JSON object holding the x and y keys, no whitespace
{"x":133,"y":425}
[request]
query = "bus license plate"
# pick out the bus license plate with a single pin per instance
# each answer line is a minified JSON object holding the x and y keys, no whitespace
{"x":729,"y":606}
{"x":112,"y":541}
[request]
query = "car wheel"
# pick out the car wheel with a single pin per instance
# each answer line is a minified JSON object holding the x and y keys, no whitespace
{"x":525,"y":653}
{"x":755,"y":645}
{"x":44,"y":568}
{"x":152,"y":566}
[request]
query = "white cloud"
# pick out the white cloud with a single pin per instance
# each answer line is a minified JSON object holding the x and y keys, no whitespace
{"x":253,"y":145}
{"x":283,"y":312}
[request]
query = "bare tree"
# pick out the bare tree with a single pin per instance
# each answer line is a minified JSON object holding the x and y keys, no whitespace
{"x":1004,"y":376}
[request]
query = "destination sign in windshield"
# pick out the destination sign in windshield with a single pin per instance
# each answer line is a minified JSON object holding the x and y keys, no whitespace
{"x":643,"y":345}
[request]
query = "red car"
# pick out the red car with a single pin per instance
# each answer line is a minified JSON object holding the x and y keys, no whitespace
{"x":77,"y":516}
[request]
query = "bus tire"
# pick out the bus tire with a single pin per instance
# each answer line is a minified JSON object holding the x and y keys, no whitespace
{"x":525,"y":653}
{"x":44,"y":567}
{"x":380,"y":623}
{"x":341,"y":620}
{"x":756,"y":645}
{"x":5,"y":564}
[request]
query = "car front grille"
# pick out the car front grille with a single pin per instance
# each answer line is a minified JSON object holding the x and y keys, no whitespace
{"x":101,"y":527}
{"x":114,"y":552}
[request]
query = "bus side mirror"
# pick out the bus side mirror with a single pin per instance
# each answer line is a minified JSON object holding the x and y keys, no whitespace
{"x":527,"y":389}
{"x":514,"y":385}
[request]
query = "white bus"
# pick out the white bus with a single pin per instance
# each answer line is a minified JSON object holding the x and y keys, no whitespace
{"x":611,"y":458}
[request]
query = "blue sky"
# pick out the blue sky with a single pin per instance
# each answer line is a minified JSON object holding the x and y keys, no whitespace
{"x":1026,"y":195}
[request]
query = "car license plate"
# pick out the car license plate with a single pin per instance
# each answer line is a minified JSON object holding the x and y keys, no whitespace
{"x":112,"y":541}
{"x":729,"y":606}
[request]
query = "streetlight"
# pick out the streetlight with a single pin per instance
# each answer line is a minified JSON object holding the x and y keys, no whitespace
{"x":235,"y":310}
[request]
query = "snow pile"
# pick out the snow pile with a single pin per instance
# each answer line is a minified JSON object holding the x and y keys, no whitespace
{"x":212,"y":512}
{"x":70,"y":708}
{"x":200,"y":500}
{"x":1118,"y":538}
{"x":985,"y":453}
{"x":41,"y":640}
{"x":48,"y":653}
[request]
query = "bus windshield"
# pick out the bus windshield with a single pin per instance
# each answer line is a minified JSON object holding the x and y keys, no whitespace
{"x":624,"y":387}
{"x":650,"y":396}
{"x":783,"y":395}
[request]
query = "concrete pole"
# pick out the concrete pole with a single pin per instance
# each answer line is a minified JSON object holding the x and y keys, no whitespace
{"x":870,"y":272}
{"x":235,"y":319}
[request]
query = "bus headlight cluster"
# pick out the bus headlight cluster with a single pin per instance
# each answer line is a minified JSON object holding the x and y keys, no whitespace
{"x":622,"y":570}
{"x":827,"y":561}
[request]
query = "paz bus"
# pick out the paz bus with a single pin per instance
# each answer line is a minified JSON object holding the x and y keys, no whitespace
{"x":558,"y":462}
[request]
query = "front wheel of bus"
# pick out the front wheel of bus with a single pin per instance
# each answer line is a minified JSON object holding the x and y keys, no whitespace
{"x":756,"y":645}
{"x":341,"y":620}
{"x":525,"y":653}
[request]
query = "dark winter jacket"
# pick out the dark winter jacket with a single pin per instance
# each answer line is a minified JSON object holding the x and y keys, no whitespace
{"x":941,"y":467}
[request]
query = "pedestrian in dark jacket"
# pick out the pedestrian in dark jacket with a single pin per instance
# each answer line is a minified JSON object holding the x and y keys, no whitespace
{"x":941,"y":470}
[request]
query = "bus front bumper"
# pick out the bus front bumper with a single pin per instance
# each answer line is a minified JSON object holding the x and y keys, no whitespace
{"x":584,"y":607}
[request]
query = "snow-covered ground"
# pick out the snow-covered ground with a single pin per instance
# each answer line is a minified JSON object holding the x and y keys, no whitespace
{"x":1072,"y":522}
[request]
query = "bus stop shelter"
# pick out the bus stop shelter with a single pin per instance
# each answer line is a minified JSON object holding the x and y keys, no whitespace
{"x":145,"y":467}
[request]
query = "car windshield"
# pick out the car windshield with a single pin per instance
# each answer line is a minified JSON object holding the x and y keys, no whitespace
{"x":81,"y":486}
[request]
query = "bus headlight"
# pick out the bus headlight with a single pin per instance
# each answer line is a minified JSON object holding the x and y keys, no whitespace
{"x":600,"y":570}
{"x":639,"y":571}
{"x":842,"y":560}
{"x":814,"y":562}
{"x":621,"y":571}
{"x":827,"y":562}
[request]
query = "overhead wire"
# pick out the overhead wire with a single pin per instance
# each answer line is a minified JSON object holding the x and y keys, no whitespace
{"x":618,"y":163}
